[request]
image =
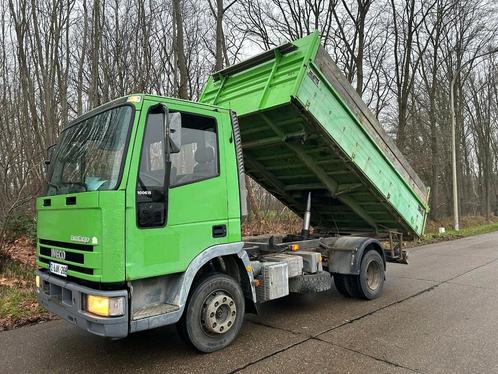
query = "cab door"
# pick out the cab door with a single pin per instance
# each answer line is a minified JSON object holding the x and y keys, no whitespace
{"x":164,"y":241}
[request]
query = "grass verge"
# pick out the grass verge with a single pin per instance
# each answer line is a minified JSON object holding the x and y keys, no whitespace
{"x":433,"y":237}
{"x":18,"y":305}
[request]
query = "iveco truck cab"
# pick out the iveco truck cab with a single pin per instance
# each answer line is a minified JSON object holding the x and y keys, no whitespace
{"x":139,"y":188}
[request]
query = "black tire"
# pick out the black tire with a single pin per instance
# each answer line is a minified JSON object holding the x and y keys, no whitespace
{"x":340,"y":284}
{"x":307,"y":283}
{"x":195,"y":327}
{"x":352,"y":286}
{"x":369,"y":288}
{"x":370,"y":282}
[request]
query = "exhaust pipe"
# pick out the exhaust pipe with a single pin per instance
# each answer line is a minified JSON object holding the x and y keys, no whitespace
{"x":305,"y":233}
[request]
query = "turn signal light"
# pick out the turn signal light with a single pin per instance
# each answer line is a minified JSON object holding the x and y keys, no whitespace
{"x":105,"y":306}
{"x":294,"y":247}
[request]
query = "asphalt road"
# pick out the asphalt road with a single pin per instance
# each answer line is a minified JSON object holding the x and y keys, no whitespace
{"x":439,"y":314}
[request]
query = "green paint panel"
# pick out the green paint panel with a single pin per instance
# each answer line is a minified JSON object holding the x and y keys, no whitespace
{"x":98,"y":215}
{"x":301,"y":133}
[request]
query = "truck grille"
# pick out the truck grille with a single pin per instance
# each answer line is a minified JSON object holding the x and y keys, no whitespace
{"x":77,"y":246}
{"x":71,"y":257}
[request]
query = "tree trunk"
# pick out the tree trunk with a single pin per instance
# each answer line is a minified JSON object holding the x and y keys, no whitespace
{"x":253,"y":206}
{"x":181,"y":63}
{"x":218,"y":65}
{"x":93,"y":98}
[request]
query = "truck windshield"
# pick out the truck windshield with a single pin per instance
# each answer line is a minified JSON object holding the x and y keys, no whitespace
{"x":90,"y":153}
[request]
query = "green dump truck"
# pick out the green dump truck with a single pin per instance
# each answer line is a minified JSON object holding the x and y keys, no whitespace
{"x":140,"y":225}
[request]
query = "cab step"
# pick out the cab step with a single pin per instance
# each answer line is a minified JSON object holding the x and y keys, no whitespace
{"x":154,"y":310}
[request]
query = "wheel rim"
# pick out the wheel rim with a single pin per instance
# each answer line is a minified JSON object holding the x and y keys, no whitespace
{"x":218,"y":313}
{"x":373,"y":275}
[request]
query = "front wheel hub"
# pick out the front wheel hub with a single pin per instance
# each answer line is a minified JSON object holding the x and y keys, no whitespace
{"x":219,"y":313}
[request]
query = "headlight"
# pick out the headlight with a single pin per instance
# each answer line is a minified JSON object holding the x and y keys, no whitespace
{"x":37,"y":281}
{"x":105,"y":306}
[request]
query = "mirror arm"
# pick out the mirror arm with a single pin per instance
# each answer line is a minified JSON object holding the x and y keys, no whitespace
{"x":167,"y":154}
{"x":49,"y":156}
{"x":168,"y":133}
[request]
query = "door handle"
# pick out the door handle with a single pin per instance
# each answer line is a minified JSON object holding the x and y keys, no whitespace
{"x":219,"y":231}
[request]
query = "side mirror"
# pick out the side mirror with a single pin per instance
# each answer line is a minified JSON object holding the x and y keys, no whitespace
{"x":173,"y":141}
{"x":50,"y":153}
{"x":175,"y":132}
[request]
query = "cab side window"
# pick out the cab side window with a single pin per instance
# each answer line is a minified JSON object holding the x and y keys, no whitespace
{"x":198,"y":158}
{"x":151,"y":207}
{"x":151,"y":171}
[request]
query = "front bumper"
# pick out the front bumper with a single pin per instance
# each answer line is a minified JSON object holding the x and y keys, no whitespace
{"x":65,"y":299}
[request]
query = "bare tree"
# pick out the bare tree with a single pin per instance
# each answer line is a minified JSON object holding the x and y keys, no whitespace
{"x":60,"y":58}
{"x":181,"y":64}
{"x":220,"y":49}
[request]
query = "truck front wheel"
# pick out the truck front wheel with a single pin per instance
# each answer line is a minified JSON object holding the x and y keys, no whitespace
{"x":214,"y":313}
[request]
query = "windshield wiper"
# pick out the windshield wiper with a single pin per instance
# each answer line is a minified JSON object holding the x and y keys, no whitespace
{"x":54,"y":186}
{"x":82,"y":184}
{"x":58,"y":186}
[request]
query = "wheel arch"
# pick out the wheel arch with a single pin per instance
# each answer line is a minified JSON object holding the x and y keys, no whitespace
{"x":177,"y":287}
{"x":230,"y":259}
{"x":375,"y":245}
{"x":233,"y":266}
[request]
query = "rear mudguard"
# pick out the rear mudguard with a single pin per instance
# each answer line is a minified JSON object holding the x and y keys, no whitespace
{"x":345,"y":253}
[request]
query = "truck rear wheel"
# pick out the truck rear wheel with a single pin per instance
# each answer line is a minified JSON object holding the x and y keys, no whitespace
{"x":214,"y":313}
{"x":340,"y":284}
{"x":370,"y":282}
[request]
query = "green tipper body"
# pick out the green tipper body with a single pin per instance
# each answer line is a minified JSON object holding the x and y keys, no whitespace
{"x":304,"y":129}
{"x":99,"y":232}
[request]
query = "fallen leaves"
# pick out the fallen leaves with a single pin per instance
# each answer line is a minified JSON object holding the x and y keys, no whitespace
{"x":10,"y":323}
{"x":12,"y":282}
{"x":272,"y":226}
{"x":18,"y":305}
{"x":21,"y":250}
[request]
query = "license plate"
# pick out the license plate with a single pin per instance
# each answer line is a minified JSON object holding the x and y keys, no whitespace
{"x":58,"y":269}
